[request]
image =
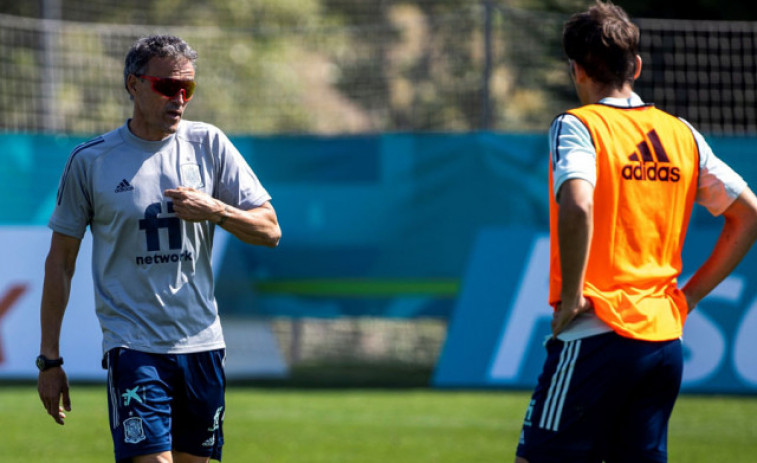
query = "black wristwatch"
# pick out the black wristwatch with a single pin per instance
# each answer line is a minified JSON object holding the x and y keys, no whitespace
{"x":44,"y":363}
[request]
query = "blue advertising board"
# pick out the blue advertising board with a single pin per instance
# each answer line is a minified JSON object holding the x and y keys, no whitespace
{"x":413,"y":225}
{"x":496,"y":334}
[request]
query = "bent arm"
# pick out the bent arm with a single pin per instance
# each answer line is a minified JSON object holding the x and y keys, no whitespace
{"x":258,"y":226}
{"x":736,"y":238}
{"x":575,"y":226}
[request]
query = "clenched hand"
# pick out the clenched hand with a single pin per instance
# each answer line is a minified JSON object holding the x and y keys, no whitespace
{"x":193,"y":205}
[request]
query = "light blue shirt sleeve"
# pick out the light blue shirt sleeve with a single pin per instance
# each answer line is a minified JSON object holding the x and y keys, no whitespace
{"x":719,"y":185}
{"x":572,"y":150}
{"x":74,"y":210}
{"x":238,"y":184}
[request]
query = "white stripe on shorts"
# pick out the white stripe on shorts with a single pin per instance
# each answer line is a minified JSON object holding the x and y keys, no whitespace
{"x":558,"y":388}
{"x":113,"y":396}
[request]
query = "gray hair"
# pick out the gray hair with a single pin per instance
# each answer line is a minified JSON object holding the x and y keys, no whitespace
{"x":161,"y":46}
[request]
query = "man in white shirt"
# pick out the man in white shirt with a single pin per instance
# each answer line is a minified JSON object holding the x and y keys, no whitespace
{"x":152,"y":193}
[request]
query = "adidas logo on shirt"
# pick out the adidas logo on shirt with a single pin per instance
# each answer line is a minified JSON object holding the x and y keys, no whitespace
{"x":124,"y":186}
{"x":649,"y":168}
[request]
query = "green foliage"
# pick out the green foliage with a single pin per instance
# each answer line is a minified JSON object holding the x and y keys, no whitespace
{"x":315,"y":66}
{"x":672,"y":9}
{"x":270,"y":66}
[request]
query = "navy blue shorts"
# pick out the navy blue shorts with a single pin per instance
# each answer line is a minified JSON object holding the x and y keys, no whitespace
{"x":165,"y":402}
{"x":603,"y":398}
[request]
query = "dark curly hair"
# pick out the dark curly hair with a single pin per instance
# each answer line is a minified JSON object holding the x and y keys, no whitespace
{"x":605,"y":42}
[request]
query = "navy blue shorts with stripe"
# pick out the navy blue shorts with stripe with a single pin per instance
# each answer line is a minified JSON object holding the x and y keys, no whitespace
{"x":164,"y":402}
{"x":603,"y":398}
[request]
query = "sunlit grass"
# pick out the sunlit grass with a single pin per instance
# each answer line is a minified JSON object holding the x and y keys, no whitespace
{"x":281,"y":425}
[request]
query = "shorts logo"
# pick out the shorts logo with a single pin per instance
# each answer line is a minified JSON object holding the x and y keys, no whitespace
{"x":647,"y":168}
{"x":217,"y":418}
{"x":131,"y":394}
{"x":209,"y":442}
{"x":529,"y":413}
{"x":133,"y":431}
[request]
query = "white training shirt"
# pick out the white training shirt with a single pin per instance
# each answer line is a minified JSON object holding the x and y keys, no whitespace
{"x":152,"y":271}
{"x":718,"y":186}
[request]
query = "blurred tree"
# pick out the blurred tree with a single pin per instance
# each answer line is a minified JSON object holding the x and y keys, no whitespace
{"x":736,"y":10}
{"x":272,"y":66}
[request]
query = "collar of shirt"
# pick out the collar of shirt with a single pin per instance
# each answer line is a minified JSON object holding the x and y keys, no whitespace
{"x":633,"y":100}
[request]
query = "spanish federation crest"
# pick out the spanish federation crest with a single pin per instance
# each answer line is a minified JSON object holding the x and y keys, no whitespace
{"x":133,"y":431}
{"x":191,"y":175}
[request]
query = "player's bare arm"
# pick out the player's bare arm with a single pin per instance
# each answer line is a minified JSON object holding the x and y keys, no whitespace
{"x":574,"y":223}
{"x":738,"y":234}
{"x":59,"y":270}
{"x":257,"y":226}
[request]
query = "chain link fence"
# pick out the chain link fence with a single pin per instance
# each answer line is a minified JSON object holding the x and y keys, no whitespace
{"x":393,"y":67}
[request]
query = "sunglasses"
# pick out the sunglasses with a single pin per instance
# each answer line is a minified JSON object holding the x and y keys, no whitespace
{"x":169,"y":87}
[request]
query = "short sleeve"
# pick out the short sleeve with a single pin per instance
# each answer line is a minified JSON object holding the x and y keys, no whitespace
{"x":73,"y":207}
{"x":572,"y":150}
{"x":237,"y":183}
{"x":719,"y":185}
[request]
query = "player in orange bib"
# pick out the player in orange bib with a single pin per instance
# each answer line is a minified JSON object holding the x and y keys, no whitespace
{"x":624,"y":177}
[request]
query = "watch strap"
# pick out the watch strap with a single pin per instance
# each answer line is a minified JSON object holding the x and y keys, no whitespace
{"x":44,"y":363}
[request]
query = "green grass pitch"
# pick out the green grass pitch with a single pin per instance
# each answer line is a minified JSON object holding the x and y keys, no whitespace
{"x":360,"y":426}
